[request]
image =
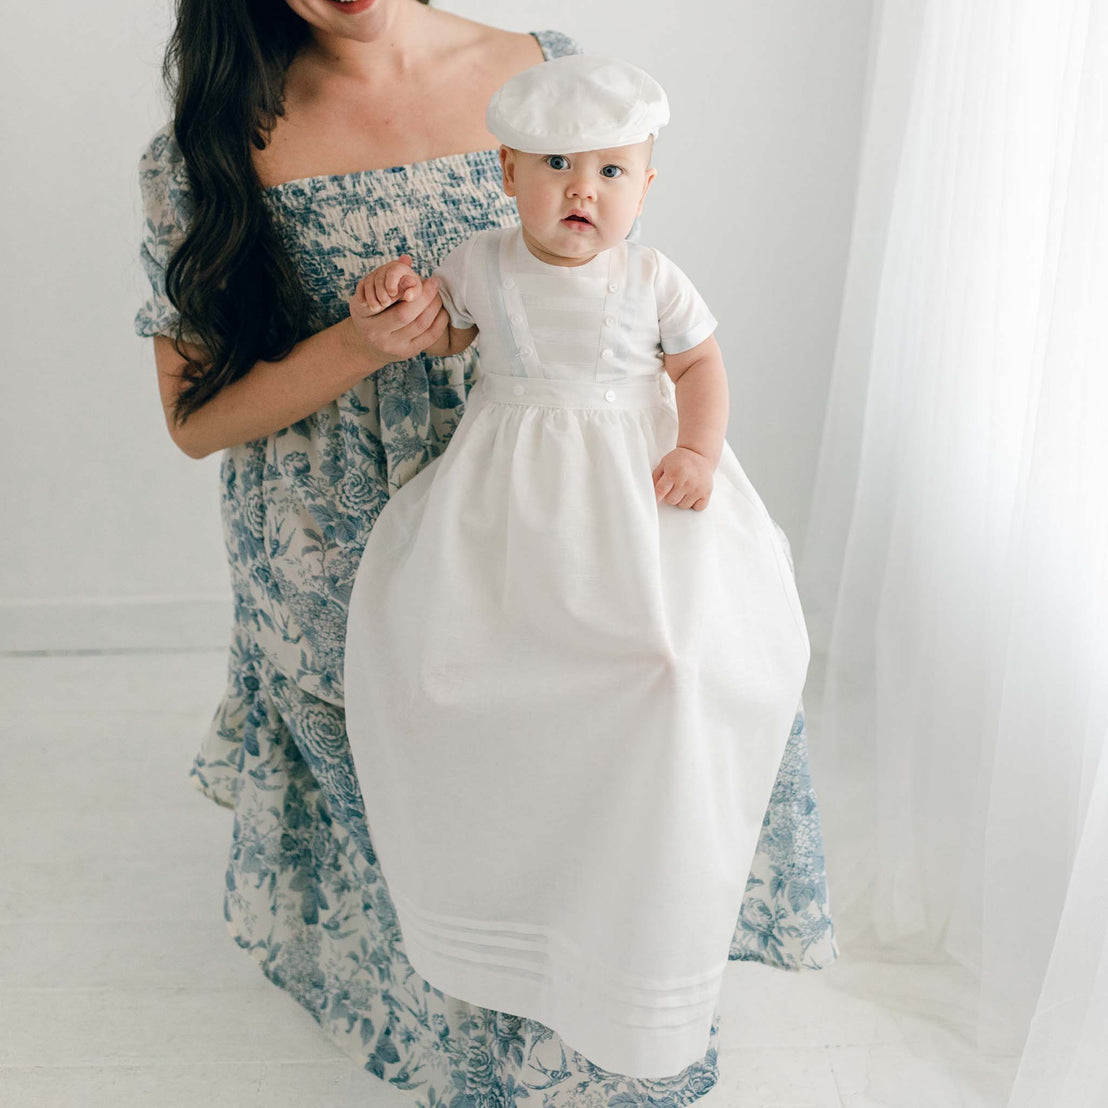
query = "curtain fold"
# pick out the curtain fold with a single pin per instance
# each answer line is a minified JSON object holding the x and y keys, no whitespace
{"x":954,"y":568}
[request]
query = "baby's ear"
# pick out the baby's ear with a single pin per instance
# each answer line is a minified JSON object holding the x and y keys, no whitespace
{"x":508,"y":169}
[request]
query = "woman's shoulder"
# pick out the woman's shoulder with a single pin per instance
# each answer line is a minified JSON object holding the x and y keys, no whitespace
{"x":557,"y":44}
{"x":485,"y":42}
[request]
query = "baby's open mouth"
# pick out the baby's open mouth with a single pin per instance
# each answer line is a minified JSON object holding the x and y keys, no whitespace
{"x":578,"y":218}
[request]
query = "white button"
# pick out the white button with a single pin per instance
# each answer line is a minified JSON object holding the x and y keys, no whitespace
{"x":508,"y":282}
{"x":609,"y":395}
{"x":525,"y":350}
{"x":517,"y":389}
{"x":612,"y":287}
{"x":517,"y":319}
{"x":607,"y":354}
{"x":609,"y":320}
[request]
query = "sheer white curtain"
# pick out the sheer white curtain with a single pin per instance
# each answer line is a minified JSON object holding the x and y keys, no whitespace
{"x":955,"y":570}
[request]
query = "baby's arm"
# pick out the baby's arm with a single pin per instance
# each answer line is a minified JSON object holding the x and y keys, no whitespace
{"x":684,"y":476}
{"x":693,"y":360}
{"x":452,"y":276}
{"x":453,"y":340}
{"x":702,"y":396}
{"x":397,"y":280}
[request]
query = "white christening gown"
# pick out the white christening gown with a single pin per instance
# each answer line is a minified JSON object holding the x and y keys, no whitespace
{"x":567,"y":702}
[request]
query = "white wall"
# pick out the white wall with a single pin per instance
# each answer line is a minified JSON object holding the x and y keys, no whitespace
{"x":113,"y":537}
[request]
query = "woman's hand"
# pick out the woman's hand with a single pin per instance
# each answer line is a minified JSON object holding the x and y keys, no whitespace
{"x":414,"y":321}
{"x":683,"y":478}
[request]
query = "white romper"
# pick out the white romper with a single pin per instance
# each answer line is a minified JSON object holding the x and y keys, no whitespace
{"x":567,"y":702}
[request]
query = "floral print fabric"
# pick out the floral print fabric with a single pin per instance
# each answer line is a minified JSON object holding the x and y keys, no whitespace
{"x":304,"y":894}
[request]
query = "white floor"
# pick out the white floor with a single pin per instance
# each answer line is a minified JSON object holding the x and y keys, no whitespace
{"x":120,"y":985}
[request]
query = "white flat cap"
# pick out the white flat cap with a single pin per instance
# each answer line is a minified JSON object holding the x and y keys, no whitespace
{"x":577,"y":102}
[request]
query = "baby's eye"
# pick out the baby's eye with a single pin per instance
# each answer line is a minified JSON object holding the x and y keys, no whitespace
{"x":617,"y":169}
{"x":552,"y":158}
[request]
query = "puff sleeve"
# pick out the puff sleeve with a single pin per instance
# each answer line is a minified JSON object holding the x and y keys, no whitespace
{"x":452,"y":272}
{"x":166,"y":212}
{"x":684,"y":320}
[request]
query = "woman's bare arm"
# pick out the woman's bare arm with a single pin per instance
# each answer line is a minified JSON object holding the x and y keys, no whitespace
{"x":274,"y":395}
{"x":270,"y":396}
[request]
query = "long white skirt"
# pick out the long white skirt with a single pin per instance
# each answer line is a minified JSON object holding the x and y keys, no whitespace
{"x":567,"y":704}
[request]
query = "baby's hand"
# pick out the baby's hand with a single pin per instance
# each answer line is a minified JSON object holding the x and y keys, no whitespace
{"x":683,"y":478}
{"x":415,"y":321}
{"x":388,"y":283}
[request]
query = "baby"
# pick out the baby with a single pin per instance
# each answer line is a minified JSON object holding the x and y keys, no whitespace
{"x":566,"y":701}
{"x":572,"y":206}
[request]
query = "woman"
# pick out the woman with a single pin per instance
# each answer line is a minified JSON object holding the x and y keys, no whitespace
{"x":367,"y":141}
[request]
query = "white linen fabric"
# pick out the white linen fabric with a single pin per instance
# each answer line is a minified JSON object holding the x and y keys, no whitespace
{"x":577,"y":102}
{"x":566,"y":702}
{"x":615,"y":314}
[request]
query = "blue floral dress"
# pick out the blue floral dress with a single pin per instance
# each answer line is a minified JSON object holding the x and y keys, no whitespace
{"x":304,"y":893}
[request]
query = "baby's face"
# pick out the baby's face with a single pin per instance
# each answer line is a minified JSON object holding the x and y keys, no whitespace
{"x":606,"y":186}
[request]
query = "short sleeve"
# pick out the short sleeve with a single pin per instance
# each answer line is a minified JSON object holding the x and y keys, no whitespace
{"x":684,"y":320}
{"x":451,"y":272}
{"x":166,"y":211}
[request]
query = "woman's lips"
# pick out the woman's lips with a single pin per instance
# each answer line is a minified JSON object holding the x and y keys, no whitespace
{"x":353,"y":7}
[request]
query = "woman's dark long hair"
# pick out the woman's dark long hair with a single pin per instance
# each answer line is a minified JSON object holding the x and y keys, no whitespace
{"x":231,"y":280}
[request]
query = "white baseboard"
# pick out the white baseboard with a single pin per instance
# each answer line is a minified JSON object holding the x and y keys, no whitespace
{"x":116,"y":624}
